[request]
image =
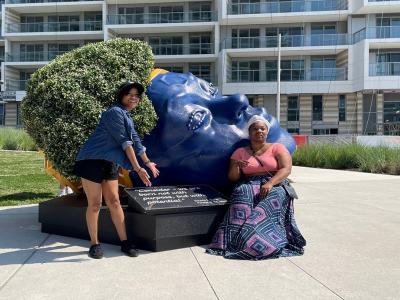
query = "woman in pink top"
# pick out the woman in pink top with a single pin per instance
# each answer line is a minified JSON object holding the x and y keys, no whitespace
{"x":260,"y":221}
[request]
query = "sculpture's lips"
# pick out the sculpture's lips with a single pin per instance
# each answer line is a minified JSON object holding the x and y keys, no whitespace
{"x":197,"y":118}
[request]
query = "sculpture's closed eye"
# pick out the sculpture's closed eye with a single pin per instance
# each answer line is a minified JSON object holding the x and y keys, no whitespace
{"x":196,"y":119}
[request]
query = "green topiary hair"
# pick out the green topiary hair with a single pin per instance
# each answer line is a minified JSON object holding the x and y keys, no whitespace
{"x":65,"y":98}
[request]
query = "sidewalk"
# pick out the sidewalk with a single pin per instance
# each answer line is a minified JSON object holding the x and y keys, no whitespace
{"x":350,"y":220}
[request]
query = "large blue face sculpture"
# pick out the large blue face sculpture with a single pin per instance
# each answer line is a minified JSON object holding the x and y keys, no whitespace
{"x":198,"y":129}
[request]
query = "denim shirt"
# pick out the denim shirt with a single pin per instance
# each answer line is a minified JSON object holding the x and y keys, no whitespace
{"x":114,"y":133}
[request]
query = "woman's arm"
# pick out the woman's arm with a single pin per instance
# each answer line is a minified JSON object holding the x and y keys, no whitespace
{"x":235,"y":169}
{"x":150,"y":164}
{"x":138,"y":169}
{"x":285,"y":168}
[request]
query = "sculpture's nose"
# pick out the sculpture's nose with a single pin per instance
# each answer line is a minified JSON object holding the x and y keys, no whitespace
{"x":229,"y":109}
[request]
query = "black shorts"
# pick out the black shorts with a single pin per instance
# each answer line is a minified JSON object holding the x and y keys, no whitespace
{"x":96,"y":170}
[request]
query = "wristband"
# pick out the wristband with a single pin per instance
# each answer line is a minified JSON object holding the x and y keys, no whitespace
{"x":147,"y":162}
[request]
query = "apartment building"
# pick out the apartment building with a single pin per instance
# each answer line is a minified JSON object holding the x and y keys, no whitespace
{"x":340,"y":60}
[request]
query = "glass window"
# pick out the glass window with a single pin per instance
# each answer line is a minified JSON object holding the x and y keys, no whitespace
{"x":317,"y":108}
{"x":293,"y":108}
{"x":2,"y":113}
{"x":342,"y":108}
{"x":245,"y":38}
{"x":19,"y":119}
{"x":200,"y":43}
{"x":200,"y":11}
{"x":175,"y":69}
{"x":167,"y":45}
{"x":245,"y":71}
{"x":202,"y":71}
{"x":293,"y":130}
{"x":131,"y":15}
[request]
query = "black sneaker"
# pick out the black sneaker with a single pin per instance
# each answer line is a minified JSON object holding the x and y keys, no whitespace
{"x":129,"y":248}
{"x":95,"y":251}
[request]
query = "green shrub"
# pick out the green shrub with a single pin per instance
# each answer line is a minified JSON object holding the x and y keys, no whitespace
{"x":15,"y":139}
{"x":65,"y":98}
{"x":353,"y":156}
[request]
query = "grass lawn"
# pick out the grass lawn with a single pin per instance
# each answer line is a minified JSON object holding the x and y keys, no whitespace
{"x":23,"y":179}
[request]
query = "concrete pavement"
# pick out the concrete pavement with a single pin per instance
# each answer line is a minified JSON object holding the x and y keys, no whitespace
{"x":350,"y":220}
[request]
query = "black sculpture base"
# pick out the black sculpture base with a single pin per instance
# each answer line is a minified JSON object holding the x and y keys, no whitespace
{"x":67,"y":216}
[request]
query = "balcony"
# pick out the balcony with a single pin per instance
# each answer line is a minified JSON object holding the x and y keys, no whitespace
{"x":15,"y":85}
{"x":385,"y":69}
{"x":286,"y":41}
{"x":377,"y":32}
{"x":33,"y":56}
{"x":183,"y":49}
{"x":286,"y":6}
{"x":158,"y":18}
{"x":270,"y":75}
{"x":42,"y":1}
{"x":54,"y":27}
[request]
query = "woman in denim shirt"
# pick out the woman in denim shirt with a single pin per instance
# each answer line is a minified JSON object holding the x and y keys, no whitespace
{"x":114,"y":143}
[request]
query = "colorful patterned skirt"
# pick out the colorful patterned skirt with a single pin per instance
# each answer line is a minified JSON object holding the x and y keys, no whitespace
{"x":255,"y":228}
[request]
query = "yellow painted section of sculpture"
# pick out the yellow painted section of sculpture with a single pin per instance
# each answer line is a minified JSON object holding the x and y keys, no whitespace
{"x":156,"y":72}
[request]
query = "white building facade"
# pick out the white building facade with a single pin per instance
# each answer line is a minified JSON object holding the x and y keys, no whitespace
{"x":340,"y":60}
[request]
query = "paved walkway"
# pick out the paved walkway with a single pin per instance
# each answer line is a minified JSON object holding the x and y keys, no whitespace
{"x":350,"y":220}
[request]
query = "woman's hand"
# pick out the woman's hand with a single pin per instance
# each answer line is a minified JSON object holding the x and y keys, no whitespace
{"x":144,"y":176}
{"x":241,"y":163}
{"x":265,"y":189}
{"x":153,"y":169}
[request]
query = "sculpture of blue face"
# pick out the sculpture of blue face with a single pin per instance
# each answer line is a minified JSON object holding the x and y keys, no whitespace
{"x":198,"y":129}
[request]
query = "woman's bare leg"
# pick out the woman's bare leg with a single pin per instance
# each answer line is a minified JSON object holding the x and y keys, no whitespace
{"x":111,"y":196}
{"x":94,"y":197}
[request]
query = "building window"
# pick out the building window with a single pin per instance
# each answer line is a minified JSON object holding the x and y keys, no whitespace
{"x":63,"y":23}
{"x":200,"y":12}
{"x":293,"y":108}
{"x":323,"y":68}
{"x":246,"y":38}
{"x":245,"y":71}
{"x":19,"y":119}
{"x":293,"y":130}
{"x":342,"y":108}
{"x":2,"y":113}
{"x":317,"y":108}
{"x":166,"y":14}
{"x":202,"y":71}
{"x":325,"y":131}
{"x":175,"y":69}
{"x":290,"y":36}
{"x":291,"y":70}
{"x":391,"y":117}
{"x":131,"y":15}
{"x":200,"y":43}
{"x":166,"y":45}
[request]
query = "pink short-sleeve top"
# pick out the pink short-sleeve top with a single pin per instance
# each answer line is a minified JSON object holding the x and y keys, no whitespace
{"x":269,"y":159}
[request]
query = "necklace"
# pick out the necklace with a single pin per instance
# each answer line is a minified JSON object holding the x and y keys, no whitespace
{"x":259,"y":151}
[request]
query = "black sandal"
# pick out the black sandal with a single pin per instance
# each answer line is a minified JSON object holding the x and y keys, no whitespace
{"x":95,"y":251}
{"x":129,"y":248}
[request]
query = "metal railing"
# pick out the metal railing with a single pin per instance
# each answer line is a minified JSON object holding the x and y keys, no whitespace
{"x":42,"y":1}
{"x":286,"y":41}
{"x":182,"y":49}
{"x":377,"y":32}
{"x":55,"y":26}
{"x":384,"y":69}
{"x":15,"y":85}
{"x":33,"y":56}
{"x":270,"y":75}
{"x":286,"y":6}
{"x":154,"y":18}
